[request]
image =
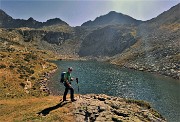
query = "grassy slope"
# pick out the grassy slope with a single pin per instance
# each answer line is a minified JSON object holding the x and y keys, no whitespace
{"x":19,"y":110}
{"x":19,"y":63}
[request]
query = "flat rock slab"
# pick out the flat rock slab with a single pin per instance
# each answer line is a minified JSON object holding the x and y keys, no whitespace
{"x":100,"y":107}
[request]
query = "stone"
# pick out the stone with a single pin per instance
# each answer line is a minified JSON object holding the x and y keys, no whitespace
{"x":89,"y":108}
{"x":101,"y":108}
{"x":120,"y":113}
{"x":141,"y":69}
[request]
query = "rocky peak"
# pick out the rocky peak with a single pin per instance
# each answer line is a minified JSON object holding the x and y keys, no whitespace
{"x":54,"y":22}
{"x":31,"y":19}
{"x":112,"y":12}
{"x":112,"y":18}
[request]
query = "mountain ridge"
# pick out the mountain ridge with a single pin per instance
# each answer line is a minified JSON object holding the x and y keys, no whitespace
{"x":7,"y":21}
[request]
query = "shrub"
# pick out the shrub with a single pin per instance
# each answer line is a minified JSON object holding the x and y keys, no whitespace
{"x":21,"y":76}
{"x":22,"y":84}
{"x":23,"y":69}
{"x":30,"y":56}
{"x":12,"y":66}
{"x":10,"y":49}
{"x":2,"y":56}
{"x":31,"y":71}
{"x":33,"y":78}
{"x":2,"y":66}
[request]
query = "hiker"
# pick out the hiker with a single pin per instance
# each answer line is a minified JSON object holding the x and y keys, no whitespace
{"x":67,"y":84}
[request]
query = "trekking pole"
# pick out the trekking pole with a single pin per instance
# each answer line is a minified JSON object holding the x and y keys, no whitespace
{"x":78,"y":86}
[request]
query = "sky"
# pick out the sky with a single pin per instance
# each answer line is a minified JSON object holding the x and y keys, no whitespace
{"x":76,"y":12}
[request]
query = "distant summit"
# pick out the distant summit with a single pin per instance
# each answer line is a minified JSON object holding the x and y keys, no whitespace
{"x":112,"y":18}
{"x":54,"y":22}
{"x":7,"y":21}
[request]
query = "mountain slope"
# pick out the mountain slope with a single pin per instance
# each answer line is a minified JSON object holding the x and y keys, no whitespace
{"x":54,"y":34}
{"x":110,"y":35}
{"x":22,"y":63}
{"x":107,"y":41}
{"x":112,"y":18}
{"x":157,"y":49}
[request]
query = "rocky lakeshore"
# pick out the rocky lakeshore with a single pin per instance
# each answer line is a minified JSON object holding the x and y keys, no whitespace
{"x":45,"y":79}
{"x":100,"y":107}
{"x":167,"y":70}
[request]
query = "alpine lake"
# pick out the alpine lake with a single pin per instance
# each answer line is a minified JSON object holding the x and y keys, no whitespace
{"x":163,"y":93}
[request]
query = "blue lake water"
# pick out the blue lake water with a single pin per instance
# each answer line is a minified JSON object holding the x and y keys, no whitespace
{"x":103,"y":78}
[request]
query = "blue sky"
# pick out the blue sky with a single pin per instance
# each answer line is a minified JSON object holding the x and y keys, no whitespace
{"x":76,"y":12}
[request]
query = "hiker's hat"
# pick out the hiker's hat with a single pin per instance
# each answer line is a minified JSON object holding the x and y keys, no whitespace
{"x":70,"y":68}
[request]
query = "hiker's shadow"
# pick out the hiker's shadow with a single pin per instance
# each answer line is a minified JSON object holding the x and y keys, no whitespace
{"x":47,"y":110}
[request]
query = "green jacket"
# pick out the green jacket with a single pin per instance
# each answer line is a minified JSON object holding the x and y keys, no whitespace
{"x":67,"y":76}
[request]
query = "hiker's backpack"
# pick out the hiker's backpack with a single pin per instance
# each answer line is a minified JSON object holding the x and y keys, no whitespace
{"x":62,"y":77}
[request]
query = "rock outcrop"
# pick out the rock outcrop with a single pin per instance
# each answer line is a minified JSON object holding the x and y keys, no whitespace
{"x":98,"y":108}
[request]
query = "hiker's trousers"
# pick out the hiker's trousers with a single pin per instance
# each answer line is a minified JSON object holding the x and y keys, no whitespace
{"x":66,"y":91}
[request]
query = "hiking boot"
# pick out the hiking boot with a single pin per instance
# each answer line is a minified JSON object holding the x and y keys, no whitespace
{"x":65,"y":100}
{"x":73,"y":100}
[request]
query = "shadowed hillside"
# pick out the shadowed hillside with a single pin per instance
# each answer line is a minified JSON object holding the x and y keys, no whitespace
{"x":108,"y":41}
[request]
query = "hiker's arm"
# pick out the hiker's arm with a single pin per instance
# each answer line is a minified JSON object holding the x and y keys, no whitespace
{"x":66,"y":80}
{"x":68,"y":84}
